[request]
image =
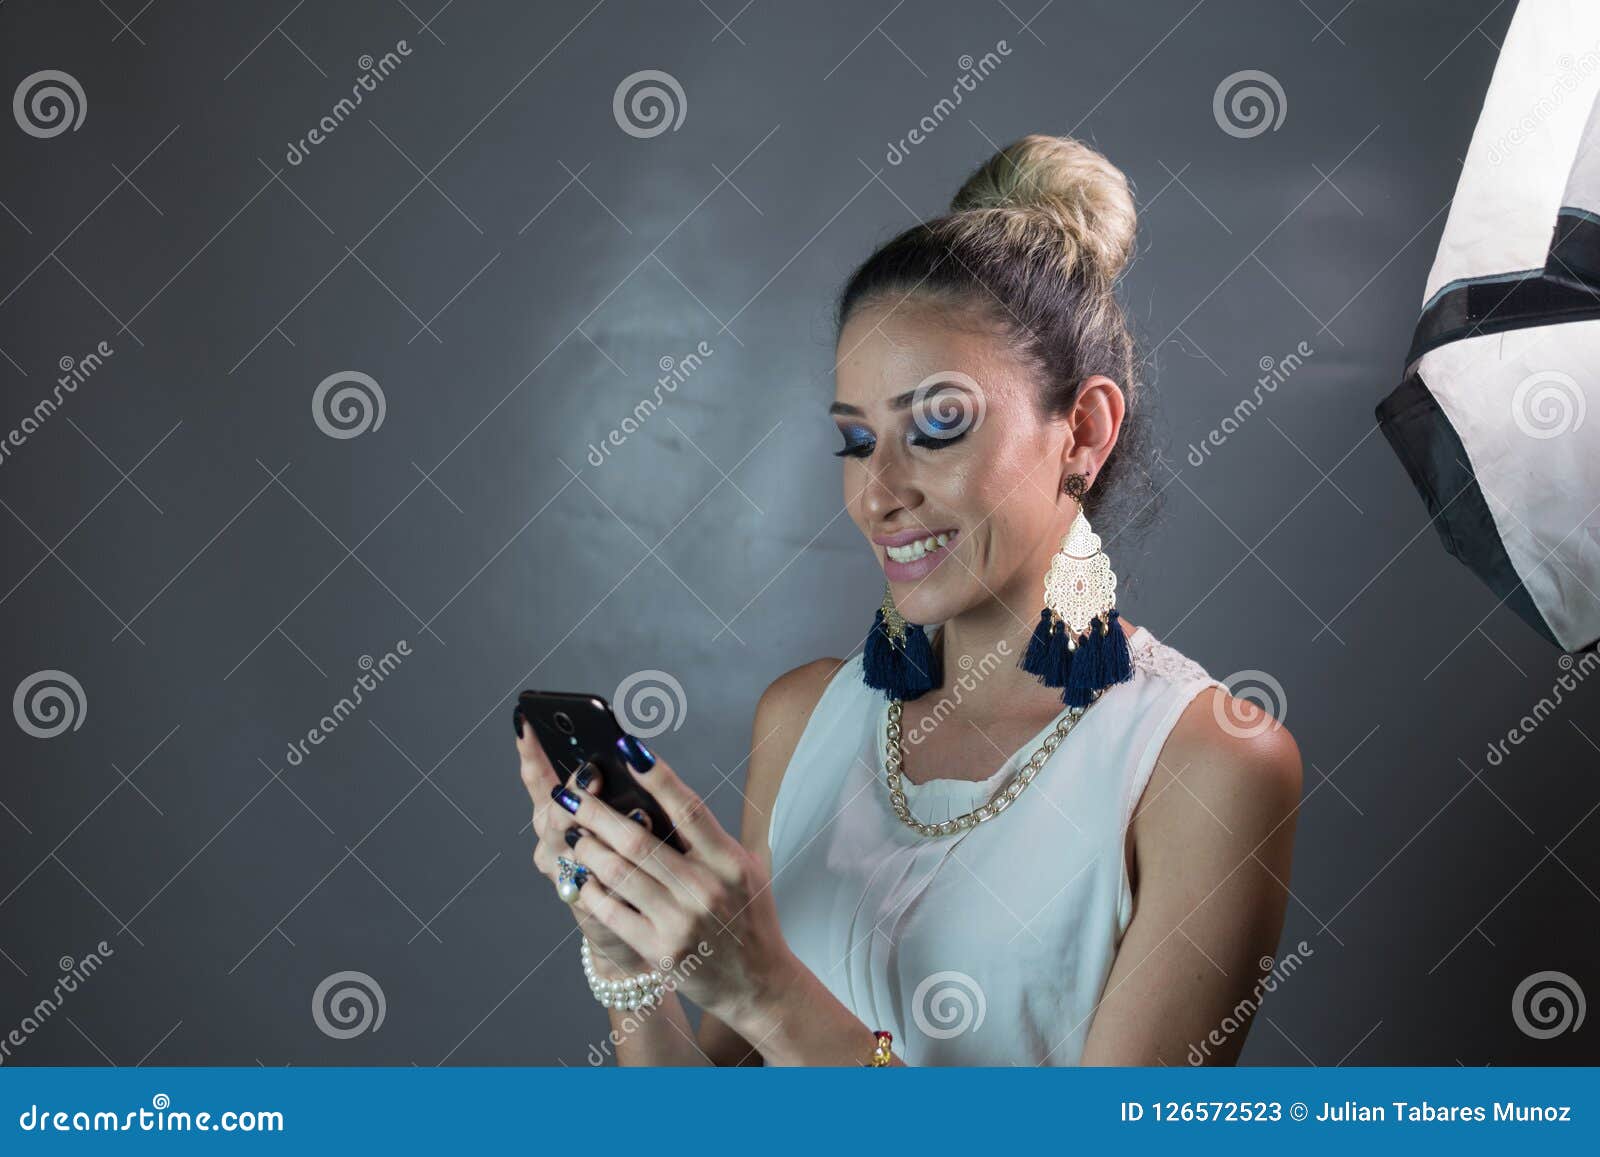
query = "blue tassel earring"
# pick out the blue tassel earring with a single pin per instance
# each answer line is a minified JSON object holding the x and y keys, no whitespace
{"x":899,"y":660}
{"x":1079,"y":645}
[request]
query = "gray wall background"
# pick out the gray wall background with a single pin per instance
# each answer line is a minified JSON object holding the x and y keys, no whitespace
{"x":484,"y":241}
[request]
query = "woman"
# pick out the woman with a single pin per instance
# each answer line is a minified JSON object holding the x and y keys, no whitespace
{"x":1114,"y":890}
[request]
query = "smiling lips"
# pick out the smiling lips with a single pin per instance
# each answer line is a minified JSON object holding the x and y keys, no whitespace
{"x":907,"y":559}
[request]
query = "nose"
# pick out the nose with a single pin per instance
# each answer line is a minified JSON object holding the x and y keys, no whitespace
{"x":889,"y":487}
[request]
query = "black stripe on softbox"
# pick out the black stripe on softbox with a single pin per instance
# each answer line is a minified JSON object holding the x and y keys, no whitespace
{"x":1431,"y":452}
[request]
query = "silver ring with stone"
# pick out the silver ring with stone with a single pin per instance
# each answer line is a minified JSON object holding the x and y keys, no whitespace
{"x":569,"y":878}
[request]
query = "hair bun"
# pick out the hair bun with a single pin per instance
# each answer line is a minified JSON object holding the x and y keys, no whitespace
{"x":1059,"y":192}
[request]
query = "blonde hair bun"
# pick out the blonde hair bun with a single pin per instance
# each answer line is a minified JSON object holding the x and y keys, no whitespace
{"x":1054,"y":193}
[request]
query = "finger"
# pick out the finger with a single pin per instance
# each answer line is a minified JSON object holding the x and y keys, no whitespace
{"x":596,"y":900}
{"x":545,"y":862}
{"x":537,"y":774}
{"x":624,"y":878}
{"x":687,"y":880}
{"x":684,"y":807}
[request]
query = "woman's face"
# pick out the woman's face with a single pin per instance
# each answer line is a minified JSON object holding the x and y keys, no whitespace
{"x":943,"y":440}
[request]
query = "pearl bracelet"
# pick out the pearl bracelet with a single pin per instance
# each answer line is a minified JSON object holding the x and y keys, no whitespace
{"x":630,"y":992}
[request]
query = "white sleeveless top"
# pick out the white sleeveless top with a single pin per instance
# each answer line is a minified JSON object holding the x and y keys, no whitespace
{"x":990,"y":946}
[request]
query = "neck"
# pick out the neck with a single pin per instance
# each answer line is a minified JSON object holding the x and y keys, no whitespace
{"x":979,"y":651}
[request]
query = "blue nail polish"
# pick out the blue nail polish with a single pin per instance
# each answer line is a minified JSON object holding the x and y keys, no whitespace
{"x":637,"y":753}
{"x":565,"y":798}
{"x":516,"y":720}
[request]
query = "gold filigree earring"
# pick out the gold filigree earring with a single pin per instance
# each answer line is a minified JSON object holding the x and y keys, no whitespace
{"x":1079,"y":645}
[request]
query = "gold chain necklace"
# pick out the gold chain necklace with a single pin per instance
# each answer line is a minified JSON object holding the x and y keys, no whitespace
{"x":1002,"y":799}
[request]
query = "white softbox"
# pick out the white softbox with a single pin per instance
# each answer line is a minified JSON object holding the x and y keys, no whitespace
{"x":1492,"y":418}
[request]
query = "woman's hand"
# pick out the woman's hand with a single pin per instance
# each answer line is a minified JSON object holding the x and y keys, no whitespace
{"x":706,"y":916}
{"x":612,"y":955}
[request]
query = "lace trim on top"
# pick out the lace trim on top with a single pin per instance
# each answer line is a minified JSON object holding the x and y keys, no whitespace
{"x":1154,"y":657}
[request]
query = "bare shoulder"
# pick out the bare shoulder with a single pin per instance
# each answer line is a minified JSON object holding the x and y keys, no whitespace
{"x":781,"y":717}
{"x":1229,"y":776}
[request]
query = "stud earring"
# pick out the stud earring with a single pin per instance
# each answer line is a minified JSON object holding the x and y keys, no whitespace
{"x":1079,"y":644}
{"x":899,"y":659}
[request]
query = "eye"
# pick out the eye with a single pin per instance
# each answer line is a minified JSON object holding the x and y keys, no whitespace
{"x":937,"y":440}
{"x":934,"y":430}
{"x":942,"y":420}
{"x":858,"y":442}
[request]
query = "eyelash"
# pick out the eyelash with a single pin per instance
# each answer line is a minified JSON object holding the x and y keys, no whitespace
{"x":864,"y":447}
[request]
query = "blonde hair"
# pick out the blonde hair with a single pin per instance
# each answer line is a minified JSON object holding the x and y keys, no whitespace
{"x":1055,"y":195}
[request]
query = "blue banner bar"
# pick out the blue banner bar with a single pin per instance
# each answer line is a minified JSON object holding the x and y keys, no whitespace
{"x":757,"y":1111}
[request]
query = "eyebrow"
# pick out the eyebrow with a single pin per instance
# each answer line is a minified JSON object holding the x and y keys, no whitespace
{"x":898,"y":402}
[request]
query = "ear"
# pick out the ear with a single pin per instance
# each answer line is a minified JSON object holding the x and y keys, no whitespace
{"x":1095,"y":421}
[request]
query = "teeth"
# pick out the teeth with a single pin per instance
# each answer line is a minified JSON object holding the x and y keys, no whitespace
{"x":912,"y":551}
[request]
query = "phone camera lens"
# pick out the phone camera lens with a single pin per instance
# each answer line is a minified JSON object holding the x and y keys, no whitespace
{"x":563,"y":723}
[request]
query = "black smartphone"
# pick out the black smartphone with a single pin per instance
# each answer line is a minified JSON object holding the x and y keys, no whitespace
{"x":573,"y":729}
